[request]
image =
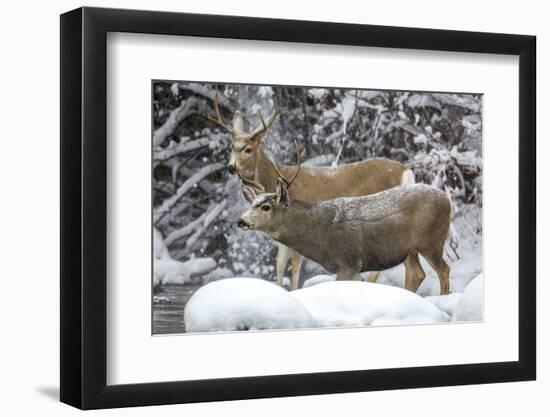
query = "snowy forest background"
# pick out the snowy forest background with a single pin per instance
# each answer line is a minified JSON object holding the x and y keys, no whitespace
{"x":196,"y":202}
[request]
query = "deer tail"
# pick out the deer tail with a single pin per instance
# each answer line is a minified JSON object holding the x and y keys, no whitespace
{"x":407,"y":178}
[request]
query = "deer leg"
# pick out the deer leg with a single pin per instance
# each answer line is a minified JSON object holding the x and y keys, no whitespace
{"x":440,"y":266}
{"x":414,"y":274}
{"x":296,"y":263}
{"x":283,"y":254}
{"x":373,"y":276}
{"x":409,"y":274}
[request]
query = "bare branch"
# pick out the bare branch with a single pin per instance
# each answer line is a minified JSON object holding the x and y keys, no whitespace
{"x":463,"y":101}
{"x":187,"y":229}
{"x":205,"y":185}
{"x":167,"y":153}
{"x":185,"y":187}
{"x":206,"y":92}
{"x":207,"y":221}
{"x":218,"y":119}
{"x":185,"y":109}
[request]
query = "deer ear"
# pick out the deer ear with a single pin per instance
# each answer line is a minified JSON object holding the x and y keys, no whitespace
{"x":238,"y":121}
{"x":249,"y":193}
{"x":282,"y":192}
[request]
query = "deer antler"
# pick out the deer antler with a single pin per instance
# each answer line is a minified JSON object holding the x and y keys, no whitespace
{"x":252,"y":183}
{"x":280,"y":174}
{"x":299,"y":165}
{"x":264,"y":126}
{"x":218,"y":120}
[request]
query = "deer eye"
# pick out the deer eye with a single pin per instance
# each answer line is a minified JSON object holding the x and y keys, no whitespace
{"x":265,"y":208}
{"x":248,"y":150}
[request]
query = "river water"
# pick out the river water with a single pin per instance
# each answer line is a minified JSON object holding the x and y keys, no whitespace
{"x":169,"y":303}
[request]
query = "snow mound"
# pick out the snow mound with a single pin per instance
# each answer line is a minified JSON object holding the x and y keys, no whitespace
{"x":244,"y":304}
{"x":169,"y":271}
{"x":318,"y":279}
{"x":446,"y":303}
{"x":470,"y":307}
{"x":356,"y":303}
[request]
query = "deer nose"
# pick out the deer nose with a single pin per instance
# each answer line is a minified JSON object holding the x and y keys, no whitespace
{"x":231,"y":168}
{"x":242,"y":224}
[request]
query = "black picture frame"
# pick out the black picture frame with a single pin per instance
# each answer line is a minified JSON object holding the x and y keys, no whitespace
{"x":84,"y":207}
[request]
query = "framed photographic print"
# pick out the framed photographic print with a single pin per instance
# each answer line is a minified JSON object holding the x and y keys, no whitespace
{"x":257,"y":208}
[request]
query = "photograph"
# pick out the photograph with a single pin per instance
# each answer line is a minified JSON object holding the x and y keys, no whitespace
{"x":300,"y":207}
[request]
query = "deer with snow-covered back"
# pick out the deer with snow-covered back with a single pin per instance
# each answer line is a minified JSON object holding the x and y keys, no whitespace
{"x":312,"y":184}
{"x":356,"y":234}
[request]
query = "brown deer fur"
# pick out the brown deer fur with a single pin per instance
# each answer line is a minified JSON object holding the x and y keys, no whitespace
{"x":369,"y":233}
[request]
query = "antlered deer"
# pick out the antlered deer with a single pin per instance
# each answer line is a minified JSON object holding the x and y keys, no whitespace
{"x":312,"y":184}
{"x":355,"y":234}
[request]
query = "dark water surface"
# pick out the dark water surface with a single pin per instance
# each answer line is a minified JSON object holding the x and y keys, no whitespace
{"x":168,"y":308}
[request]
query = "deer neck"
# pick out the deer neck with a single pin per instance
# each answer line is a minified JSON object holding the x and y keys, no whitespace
{"x":265,"y":172}
{"x":300,"y":226}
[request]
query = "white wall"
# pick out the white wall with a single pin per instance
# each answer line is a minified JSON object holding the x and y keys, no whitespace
{"x":29,"y":175}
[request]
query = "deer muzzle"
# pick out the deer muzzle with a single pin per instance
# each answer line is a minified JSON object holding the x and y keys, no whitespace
{"x":243,"y":224}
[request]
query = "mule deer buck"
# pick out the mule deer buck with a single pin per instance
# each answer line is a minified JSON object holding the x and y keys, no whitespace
{"x":312,"y":184}
{"x":356,"y":234}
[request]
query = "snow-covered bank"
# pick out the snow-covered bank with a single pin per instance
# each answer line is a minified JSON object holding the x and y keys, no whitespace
{"x":253,"y":304}
{"x":446,"y":303}
{"x":169,"y":271}
{"x":356,"y":303}
{"x":470,"y":306}
{"x":244,"y":304}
